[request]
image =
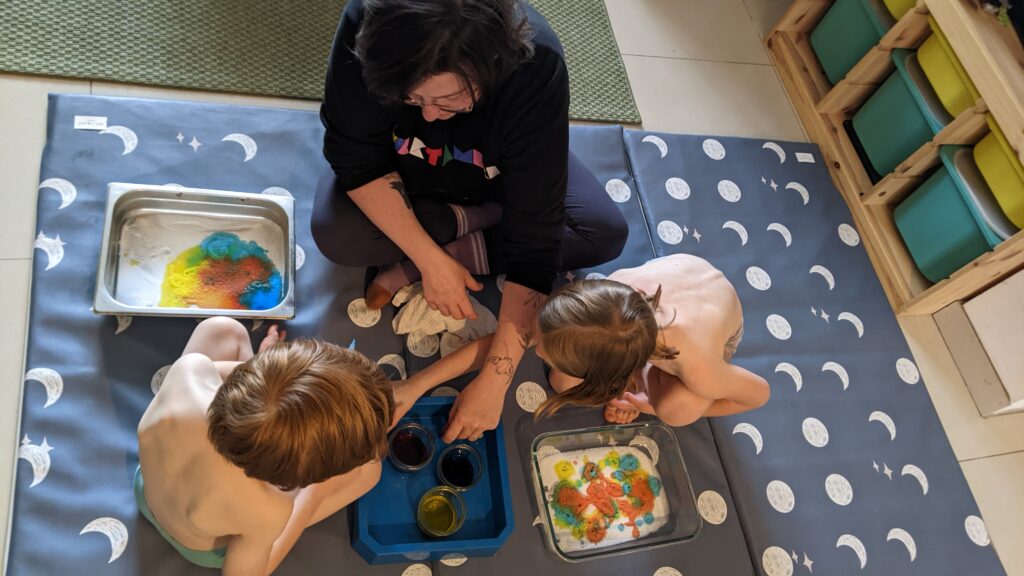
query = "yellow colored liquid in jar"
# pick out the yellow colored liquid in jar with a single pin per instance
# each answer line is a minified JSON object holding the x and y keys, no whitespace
{"x":437,"y":514}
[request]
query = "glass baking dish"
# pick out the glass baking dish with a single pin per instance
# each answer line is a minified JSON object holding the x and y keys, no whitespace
{"x":612,"y":490}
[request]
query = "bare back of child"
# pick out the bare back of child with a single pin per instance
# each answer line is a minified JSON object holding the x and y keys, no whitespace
{"x":209,"y":508}
{"x":700,"y":319}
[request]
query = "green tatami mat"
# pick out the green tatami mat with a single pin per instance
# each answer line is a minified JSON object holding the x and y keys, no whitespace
{"x":276,"y":48}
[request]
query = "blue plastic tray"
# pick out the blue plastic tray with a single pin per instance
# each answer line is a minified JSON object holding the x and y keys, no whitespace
{"x":385,"y":527}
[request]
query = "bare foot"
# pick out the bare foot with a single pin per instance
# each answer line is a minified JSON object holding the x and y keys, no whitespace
{"x":272,"y":338}
{"x":616,"y":415}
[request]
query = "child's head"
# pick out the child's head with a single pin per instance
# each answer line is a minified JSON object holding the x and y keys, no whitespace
{"x":602,"y":332}
{"x":302,"y":412}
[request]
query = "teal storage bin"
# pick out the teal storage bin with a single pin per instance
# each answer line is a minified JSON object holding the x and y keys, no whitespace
{"x":847,"y":32}
{"x":952,"y":218}
{"x":901,"y":116}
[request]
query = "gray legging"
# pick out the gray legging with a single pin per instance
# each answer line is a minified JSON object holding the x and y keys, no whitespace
{"x":595,"y":230}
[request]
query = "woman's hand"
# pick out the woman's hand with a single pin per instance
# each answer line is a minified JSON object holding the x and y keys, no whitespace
{"x":444,"y":286}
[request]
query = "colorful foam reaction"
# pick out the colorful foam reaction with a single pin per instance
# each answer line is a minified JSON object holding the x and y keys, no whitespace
{"x":222,"y":272}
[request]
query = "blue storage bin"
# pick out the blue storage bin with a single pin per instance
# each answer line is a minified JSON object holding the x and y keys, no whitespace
{"x":902,"y":115}
{"x":952,"y":218}
{"x":385,"y":528}
{"x":846,"y":33}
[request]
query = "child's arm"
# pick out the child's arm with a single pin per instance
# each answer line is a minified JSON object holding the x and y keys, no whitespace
{"x":466,"y":359}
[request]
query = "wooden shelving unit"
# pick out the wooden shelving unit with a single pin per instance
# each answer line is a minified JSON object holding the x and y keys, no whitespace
{"x":992,"y":56}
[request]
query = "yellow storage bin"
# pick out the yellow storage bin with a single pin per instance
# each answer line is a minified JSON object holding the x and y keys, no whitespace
{"x":945,"y":73}
{"x":1002,"y":171}
{"x":899,"y":7}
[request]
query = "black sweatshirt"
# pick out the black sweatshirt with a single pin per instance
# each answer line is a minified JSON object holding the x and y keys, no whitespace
{"x":511,"y":149}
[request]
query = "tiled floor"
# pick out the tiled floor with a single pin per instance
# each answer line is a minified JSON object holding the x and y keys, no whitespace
{"x":695,"y":66}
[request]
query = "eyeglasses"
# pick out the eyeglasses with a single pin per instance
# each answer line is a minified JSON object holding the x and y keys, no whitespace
{"x":454,"y":110}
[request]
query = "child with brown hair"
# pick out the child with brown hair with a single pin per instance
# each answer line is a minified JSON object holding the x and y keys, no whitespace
{"x":656,"y":339}
{"x":240,"y":453}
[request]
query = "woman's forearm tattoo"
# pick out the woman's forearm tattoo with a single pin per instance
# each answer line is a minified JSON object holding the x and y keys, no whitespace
{"x":397,"y":185}
{"x":503,"y":365}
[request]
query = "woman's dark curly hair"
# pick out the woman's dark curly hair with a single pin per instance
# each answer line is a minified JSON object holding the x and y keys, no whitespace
{"x":402,"y":42}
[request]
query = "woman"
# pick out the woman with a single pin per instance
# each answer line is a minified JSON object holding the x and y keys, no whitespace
{"x":447,"y":135}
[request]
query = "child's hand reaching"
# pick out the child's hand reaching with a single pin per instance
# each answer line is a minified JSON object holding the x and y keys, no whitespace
{"x":406,"y":394}
{"x":272,"y":338}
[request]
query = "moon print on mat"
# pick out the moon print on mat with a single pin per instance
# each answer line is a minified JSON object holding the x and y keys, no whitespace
{"x":801,"y":190}
{"x":158,"y":378}
{"x":848,"y":235}
{"x":714,"y":149}
{"x":247,"y":144}
{"x":917,"y":473}
{"x":775,"y":148}
{"x":677,"y":188}
{"x":751,"y":431}
{"x":815,"y":432}
{"x":444,"y":392}
{"x":596,"y":276}
{"x":657,"y":141}
{"x":885,"y":420}
{"x":123,"y":322}
{"x":907,"y":540}
{"x":361,"y":315}
{"x":758,"y":278}
{"x":417,"y":570}
{"x":53,"y":247}
{"x":114,"y":530}
{"x":647,"y":444}
{"x":793,"y":372}
{"x":907,"y":371}
{"x":778,"y":327}
{"x":618,"y":190}
{"x":976,"y":530}
{"x":838,"y":489}
{"x":51,"y":381}
{"x":395,"y":361}
{"x":776,"y":562}
{"x":780,"y":496}
{"x":739,"y":229}
{"x":854,"y":543}
{"x":277,"y":191}
{"x":787,"y":237}
{"x":454,"y":559}
{"x":38,"y":456}
{"x":729,"y":191}
{"x":854,"y":320}
{"x":824,"y":273}
{"x":712,"y":508}
{"x":667,"y":571}
{"x":837,"y":369}
{"x":422,"y":344}
{"x":127,"y":136}
{"x":67,"y":190}
{"x":530,"y":395}
{"x":670,"y":232}
{"x":300,"y":257}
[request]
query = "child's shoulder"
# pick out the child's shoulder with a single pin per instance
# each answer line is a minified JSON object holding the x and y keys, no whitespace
{"x":191,"y":369}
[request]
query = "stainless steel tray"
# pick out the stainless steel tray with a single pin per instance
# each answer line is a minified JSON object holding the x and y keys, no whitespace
{"x":128,"y":203}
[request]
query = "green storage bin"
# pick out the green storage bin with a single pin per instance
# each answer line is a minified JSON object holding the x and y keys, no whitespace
{"x":901,"y":116}
{"x":952,"y":218}
{"x":845,"y":34}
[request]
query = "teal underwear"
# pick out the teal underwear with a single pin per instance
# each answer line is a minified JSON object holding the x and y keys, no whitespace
{"x":204,"y":558}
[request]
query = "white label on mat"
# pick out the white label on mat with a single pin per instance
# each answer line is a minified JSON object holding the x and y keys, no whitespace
{"x":90,"y":122}
{"x":805,"y":157}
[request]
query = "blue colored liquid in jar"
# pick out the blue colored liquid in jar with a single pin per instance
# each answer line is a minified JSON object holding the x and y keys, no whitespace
{"x":458,"y":470}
